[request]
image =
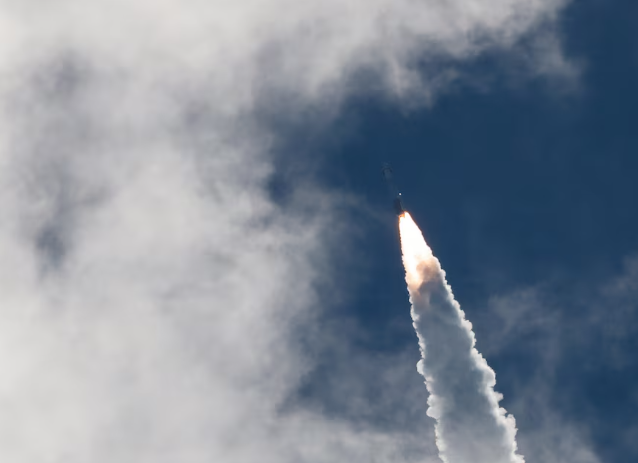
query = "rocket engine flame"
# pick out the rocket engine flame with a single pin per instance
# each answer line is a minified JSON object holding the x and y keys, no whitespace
{"x":471,"y":426}
{"x":418,"y":259}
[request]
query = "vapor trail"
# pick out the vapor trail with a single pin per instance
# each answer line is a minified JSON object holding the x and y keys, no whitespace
{"x":471,"y":427}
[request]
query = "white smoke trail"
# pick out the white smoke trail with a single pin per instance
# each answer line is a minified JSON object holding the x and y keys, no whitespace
{"x":471,"y":427}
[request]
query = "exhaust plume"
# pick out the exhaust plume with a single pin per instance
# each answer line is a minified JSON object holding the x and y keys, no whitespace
{"x":471,"y":427}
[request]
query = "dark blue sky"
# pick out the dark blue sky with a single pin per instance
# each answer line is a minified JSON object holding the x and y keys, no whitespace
{"x":524,"y":187}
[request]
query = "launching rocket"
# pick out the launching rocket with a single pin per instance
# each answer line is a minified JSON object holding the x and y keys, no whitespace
{"x":397,"y":201}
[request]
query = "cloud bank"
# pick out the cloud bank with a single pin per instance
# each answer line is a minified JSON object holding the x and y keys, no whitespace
{"x":153,"y":296}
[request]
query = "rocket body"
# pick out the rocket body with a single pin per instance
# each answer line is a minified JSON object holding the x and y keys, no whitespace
{"x":397,"y":200}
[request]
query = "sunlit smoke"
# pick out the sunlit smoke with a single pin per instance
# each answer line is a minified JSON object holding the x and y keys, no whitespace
{"x":471,"y":427}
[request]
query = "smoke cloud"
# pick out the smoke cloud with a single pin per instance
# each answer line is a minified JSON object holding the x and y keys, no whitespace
{"x":471,"y":427}
{"x":152,"y":293}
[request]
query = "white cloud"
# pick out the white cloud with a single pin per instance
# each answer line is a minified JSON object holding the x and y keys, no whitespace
{"x":152,"y":294}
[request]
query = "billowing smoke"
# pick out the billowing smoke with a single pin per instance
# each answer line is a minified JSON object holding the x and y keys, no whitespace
{"x":471,"y":427}
{"x":153,"y":292}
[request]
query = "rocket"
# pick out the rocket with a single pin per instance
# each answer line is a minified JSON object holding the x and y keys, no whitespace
{"x":397,"y":201}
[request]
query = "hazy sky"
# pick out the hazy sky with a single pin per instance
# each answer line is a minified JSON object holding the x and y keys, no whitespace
{"x":199,"y":262}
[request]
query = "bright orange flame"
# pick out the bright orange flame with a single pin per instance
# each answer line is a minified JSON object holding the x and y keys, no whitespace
{"x":418,"y":260}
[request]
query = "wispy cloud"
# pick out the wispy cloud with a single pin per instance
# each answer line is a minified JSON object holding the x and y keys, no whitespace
{"x":559,"y":332}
